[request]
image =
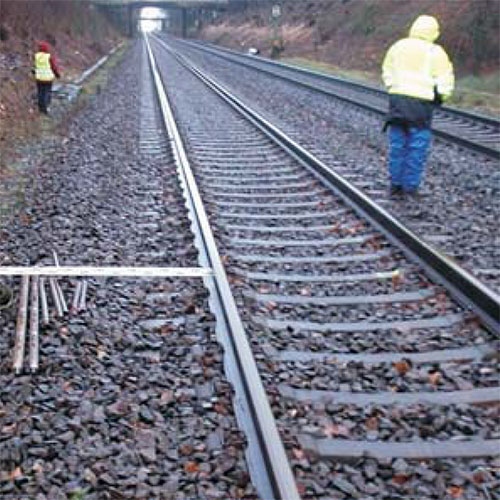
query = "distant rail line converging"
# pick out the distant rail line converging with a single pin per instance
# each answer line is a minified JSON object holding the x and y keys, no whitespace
{"x":473,"y":131}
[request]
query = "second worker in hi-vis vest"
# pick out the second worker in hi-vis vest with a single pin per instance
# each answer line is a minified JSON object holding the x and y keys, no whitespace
{"x":45,"y":71}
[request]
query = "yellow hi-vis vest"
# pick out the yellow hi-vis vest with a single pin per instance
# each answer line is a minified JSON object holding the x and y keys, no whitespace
{"x":414,"y":66}
{"x":43,"y":71}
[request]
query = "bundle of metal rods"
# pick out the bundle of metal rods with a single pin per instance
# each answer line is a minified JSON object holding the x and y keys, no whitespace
{"x":79,"y":298}
{"x":37,"y":295}
{"x":38,"y":304}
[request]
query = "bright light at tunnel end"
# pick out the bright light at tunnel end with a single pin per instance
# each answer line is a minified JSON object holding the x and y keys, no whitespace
{"x":148,"y":26}
{"x":152,"y":24}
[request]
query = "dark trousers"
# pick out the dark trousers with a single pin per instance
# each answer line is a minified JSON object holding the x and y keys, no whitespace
{"x":44,"y":94}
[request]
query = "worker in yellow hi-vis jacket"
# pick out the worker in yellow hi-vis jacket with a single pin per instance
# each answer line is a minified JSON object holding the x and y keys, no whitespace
{"x":418,"y":76}
{"x":45,"y":70}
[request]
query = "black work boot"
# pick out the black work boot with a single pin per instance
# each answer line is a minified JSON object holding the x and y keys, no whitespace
{"x":395,"y":190}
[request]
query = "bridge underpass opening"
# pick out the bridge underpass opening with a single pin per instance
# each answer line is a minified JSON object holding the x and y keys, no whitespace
{"x":152,"y":19}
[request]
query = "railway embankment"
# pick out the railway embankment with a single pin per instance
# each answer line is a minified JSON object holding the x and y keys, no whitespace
{"x":350,"y":37}
{"x":78,"y":37}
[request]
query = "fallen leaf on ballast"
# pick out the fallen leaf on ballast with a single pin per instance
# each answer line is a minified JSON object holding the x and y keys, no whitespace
{"x":166,"y":329}
{"x":335,"y":228}
{"x":301,"y":488}
{"x":472,"y":321}
{"x":190,"y":309}
{"x":191,"y":467}
{"x":372,"y":423}
{"x":9,"y":429}
{"x":397,"y":278}
{"x":334,"y":430}
{"x":480,"y":476}
{"x":16,"y":473}
{"x":235,"y":280}
{"x":220,"y":409}
{"x":455,"y":491}
{"x":400,"y":478}
{"x":25,"y":219}
{"x":403,"y":366}
{"x":101,"y":353}
{"x":434,"y":377}
{"x":166,"y":397}
{"x":185,"y":449}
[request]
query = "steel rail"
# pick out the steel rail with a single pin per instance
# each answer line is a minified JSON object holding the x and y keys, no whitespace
{"x":464,"y":287}
{"x":270,"y":453}
{"x":381,"y":111}
{"x":470,"y":115}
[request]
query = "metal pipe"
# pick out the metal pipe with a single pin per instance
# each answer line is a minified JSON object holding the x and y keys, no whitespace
{"x":56,"y":260}
{"x":34,"y":314}
{"x":76,"y":297}
{"x":22,"y":319}
{"x":55,"y":296}
{"x":83,"y":298}
{"x":43,"y":300}
{"x":62,"y":300}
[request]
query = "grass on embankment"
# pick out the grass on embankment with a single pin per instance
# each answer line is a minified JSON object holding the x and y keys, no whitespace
{"x":42,"y":133}
{"x":473,"y":93}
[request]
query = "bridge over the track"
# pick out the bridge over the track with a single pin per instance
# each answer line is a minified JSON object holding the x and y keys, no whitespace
{"x":179,"y":14}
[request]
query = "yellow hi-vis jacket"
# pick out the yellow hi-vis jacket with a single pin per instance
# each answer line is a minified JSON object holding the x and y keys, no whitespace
{"x":43,"y":70}
{"x":417,"y":67}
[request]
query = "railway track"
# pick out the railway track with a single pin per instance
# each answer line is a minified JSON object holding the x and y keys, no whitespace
{"x":459,"y":194}
{"x":473,"y":131}
{"x":362,"y":363}
{"x":377,"y":354}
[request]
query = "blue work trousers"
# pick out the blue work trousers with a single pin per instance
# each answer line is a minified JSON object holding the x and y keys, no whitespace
{"x":409,"y":148}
